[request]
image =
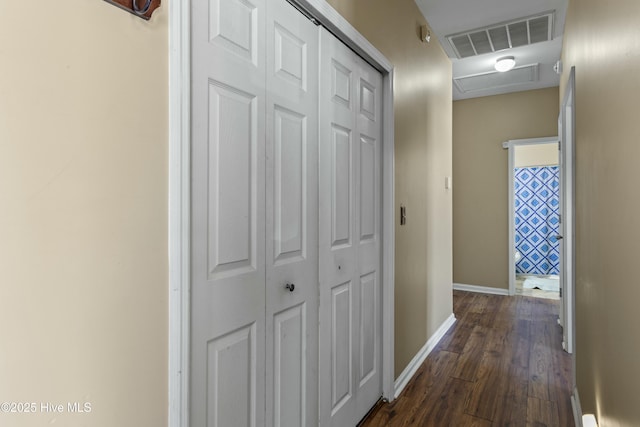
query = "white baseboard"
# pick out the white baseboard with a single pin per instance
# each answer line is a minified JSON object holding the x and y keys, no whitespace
{"x":480,"y":289}
{"x":408,"y":373}
{"x":577,"y":409}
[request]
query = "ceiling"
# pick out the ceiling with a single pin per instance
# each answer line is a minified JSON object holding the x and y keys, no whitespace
{"x":475,"y":76}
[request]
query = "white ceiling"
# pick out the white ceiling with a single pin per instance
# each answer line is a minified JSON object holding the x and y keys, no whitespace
{"x":447,"y":17}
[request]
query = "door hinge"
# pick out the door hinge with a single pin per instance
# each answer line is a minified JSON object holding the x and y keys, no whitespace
{"x":560,"y":291}
{"x":559,"y":145}
{"x":560,"y":218}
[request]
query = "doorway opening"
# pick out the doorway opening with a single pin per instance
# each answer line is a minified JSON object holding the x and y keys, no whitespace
{"x":534,"y":217}
{"x":536,"y":205}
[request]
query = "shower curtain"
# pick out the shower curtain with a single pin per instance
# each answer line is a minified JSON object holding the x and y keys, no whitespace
{"x":537,"y":219}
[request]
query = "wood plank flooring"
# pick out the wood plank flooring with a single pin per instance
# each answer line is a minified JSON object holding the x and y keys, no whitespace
{"x":500,"y":365}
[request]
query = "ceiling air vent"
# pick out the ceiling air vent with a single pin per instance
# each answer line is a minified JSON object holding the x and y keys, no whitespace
{"x":519,"y":75}
{"x":519,"y":32}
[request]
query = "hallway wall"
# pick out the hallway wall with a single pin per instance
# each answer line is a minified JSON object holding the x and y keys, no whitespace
{"x":480,"y":175}
{"x":536,"y":155}
{"x":423,"y":299}
{"x":602,"y":41}
{"x":83,"y":190}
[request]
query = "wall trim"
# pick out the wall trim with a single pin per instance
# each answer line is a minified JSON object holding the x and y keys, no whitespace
{"x":408,"y":373}
{"x":480,"y":289}
{"x":577,"y":408}
{"x":179,"y":210}
{"x":529,"y":141}
{"x":388,"y":236}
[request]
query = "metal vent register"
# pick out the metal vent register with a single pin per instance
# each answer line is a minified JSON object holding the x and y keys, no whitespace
{"x":519,"y":32}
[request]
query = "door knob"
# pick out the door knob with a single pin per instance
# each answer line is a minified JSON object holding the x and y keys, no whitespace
{"x":290,"y":287}
{"x":559,"y":237}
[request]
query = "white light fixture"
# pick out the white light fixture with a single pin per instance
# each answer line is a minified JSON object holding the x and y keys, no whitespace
{"x":505,"y":63}
{"x":589,"y":420}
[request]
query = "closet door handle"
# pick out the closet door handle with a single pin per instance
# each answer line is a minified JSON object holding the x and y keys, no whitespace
{"x":559,"y":237}
{"x":290,"y":286}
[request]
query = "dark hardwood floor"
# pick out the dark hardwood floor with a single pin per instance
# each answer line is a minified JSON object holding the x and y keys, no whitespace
{"x":501,"y":364}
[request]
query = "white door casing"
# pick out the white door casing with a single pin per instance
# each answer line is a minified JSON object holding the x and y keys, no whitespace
{"x":510,"y":145}
{"x":350,"y":235}
{"x":561,"y":229}
{"x":567,"y":117}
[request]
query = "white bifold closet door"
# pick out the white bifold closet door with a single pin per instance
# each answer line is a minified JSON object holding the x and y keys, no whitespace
{"x":254,"y":277}
{"x":350,"y":235}
{"x":292,"y":218}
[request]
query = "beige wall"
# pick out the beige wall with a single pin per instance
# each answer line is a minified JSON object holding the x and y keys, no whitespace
{"x":535,"y":155}
{"x":603,"y":42}
{"x":83,"y":250}
{"x":480,"y":174}
{"x":423,"y":298}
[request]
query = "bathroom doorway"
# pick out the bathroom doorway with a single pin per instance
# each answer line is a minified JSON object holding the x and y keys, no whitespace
{"x":535,"y":206}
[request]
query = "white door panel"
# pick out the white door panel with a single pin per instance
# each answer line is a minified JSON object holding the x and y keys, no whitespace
{"x":368,"y":341}
{"x":262,"y":231}
{"x":233,"y":25}
{"x":290,"y":367}
{"x":231,"y":379}
{"x":254,"y":215}
{"x":350,"y":186}
{"x":292,"y":218}
{"x":232,"y":209}
{"x":341,"y":346}
{"x":228,"y":207}
{"x":341,"y":186}
{"x":367,"y":188}
{"x":338,"y":260}
{"x":369,"y":126}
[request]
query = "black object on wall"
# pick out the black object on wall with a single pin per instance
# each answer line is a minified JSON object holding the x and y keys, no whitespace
{"x":141,"y":8}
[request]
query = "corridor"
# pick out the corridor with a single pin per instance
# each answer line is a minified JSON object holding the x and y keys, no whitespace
{"x":501,"y":364}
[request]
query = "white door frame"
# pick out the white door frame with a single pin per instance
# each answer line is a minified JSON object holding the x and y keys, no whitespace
{"x":568,"y":121}
{"x":179,"y":209}
{"x":511,"y":144}
{"x":179,"y":194}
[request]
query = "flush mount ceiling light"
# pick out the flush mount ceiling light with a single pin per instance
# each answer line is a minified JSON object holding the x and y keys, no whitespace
{"x":505,"y":63}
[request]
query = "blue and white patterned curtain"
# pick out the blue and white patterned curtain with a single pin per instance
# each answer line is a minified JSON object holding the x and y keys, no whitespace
{"x":537,"y":219}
